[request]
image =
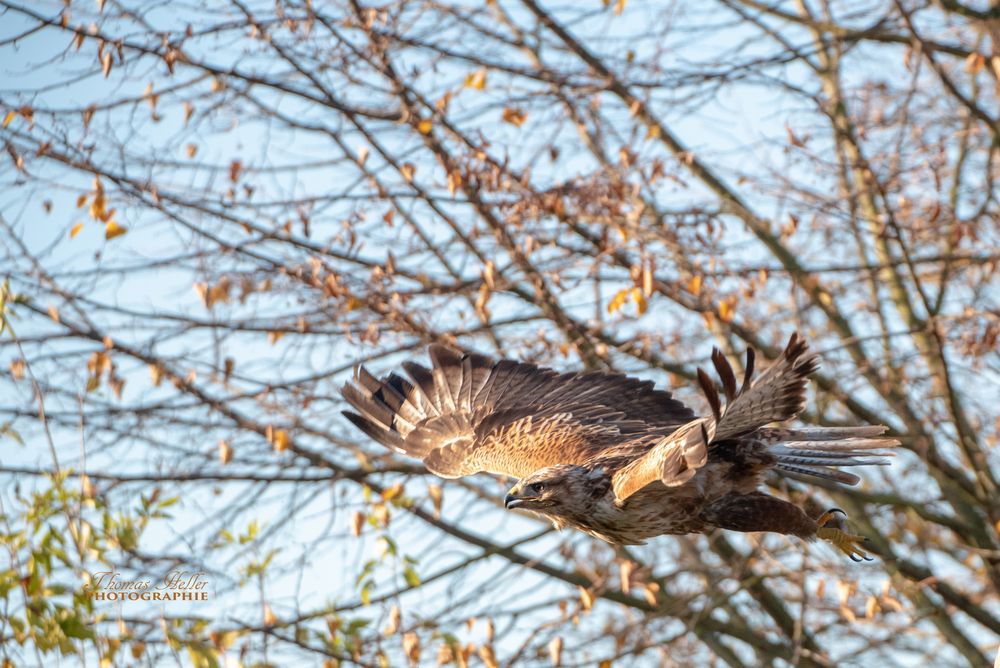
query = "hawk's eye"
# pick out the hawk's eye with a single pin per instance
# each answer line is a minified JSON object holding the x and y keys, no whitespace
{"x":536,"y":487}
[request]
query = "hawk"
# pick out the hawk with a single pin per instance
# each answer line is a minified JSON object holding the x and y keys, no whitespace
{"x":612,"y":456}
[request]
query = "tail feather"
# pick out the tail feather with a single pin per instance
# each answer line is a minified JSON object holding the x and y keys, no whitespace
{"x":849,"y":459}
{"x":842,"y":477}
{"x":814,"y":451}
{"x":839,"y":446}
{"x":824,"y":433}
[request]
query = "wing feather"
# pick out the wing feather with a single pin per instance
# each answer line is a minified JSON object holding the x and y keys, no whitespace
{"x":468,"y":413}
{"x":673,"y":460}
{"x":725,"y":372}
{"x":376,"y":432}
{"x":778,"y":393}
{"x":446,"y":365}
{"x":426,"y":398}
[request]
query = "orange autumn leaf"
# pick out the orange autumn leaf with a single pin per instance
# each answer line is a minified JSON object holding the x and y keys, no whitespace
{"x":113,"y":229}
{"x":357,"y":523}
{"x":436,"y":494}
{"x":555,"y":651}
{"x":625,"y":570}
{"x":975,"y":62}
{"x":640,"y":300}
{"x":425,"y":126}
{"x":488,"y":657}
{"x":454,"y":181}
{"x":75,"y":230}
{"x":489,"y":275}
{"x":282,"y":441}
{"x":225,"y":452}
{"x":98,"y":210}
{"x":515,"y":117}
{"x":87,"y":487}
{"x":727,"y":308}
{"x":156,"y":373}
{"x":618,"y":300}
{"x":411,"y":647}
{"x":586,"y":598}
{"x":382,"y":515}
{"x":871,"y":607}
{"x":650,"y":590}
{"x":270,"y":619}
{"x":393,"y":492}
{"x":476,"y":80}
{"x":395,"y":618}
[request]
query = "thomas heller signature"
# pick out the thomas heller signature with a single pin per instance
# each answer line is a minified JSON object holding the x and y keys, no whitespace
{"x":176,"y":586}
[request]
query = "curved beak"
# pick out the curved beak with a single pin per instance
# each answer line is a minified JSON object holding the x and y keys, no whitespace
{"x":512,"y":500}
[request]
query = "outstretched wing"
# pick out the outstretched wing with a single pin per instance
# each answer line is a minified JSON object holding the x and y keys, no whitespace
{"x":468,"y":413}
{"x":776,"y":395}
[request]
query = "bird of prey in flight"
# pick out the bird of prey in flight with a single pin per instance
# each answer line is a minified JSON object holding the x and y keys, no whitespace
{"x":612,"y":456}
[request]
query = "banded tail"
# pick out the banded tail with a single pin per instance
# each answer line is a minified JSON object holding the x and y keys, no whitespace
{"x":816,"y":451}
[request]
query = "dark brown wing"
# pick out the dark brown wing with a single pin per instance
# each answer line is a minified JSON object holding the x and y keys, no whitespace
{"x":468,"y":413}
{"x":776,"y":395}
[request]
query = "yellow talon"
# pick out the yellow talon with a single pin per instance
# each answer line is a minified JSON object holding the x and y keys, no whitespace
{"x":847,"y":543}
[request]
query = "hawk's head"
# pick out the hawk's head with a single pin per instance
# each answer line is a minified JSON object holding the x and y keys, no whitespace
{"x":562,"y":490}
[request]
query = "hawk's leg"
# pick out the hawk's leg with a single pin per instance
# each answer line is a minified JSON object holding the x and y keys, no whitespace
{"x":757,"y":511}
{"x":847,"y":543}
